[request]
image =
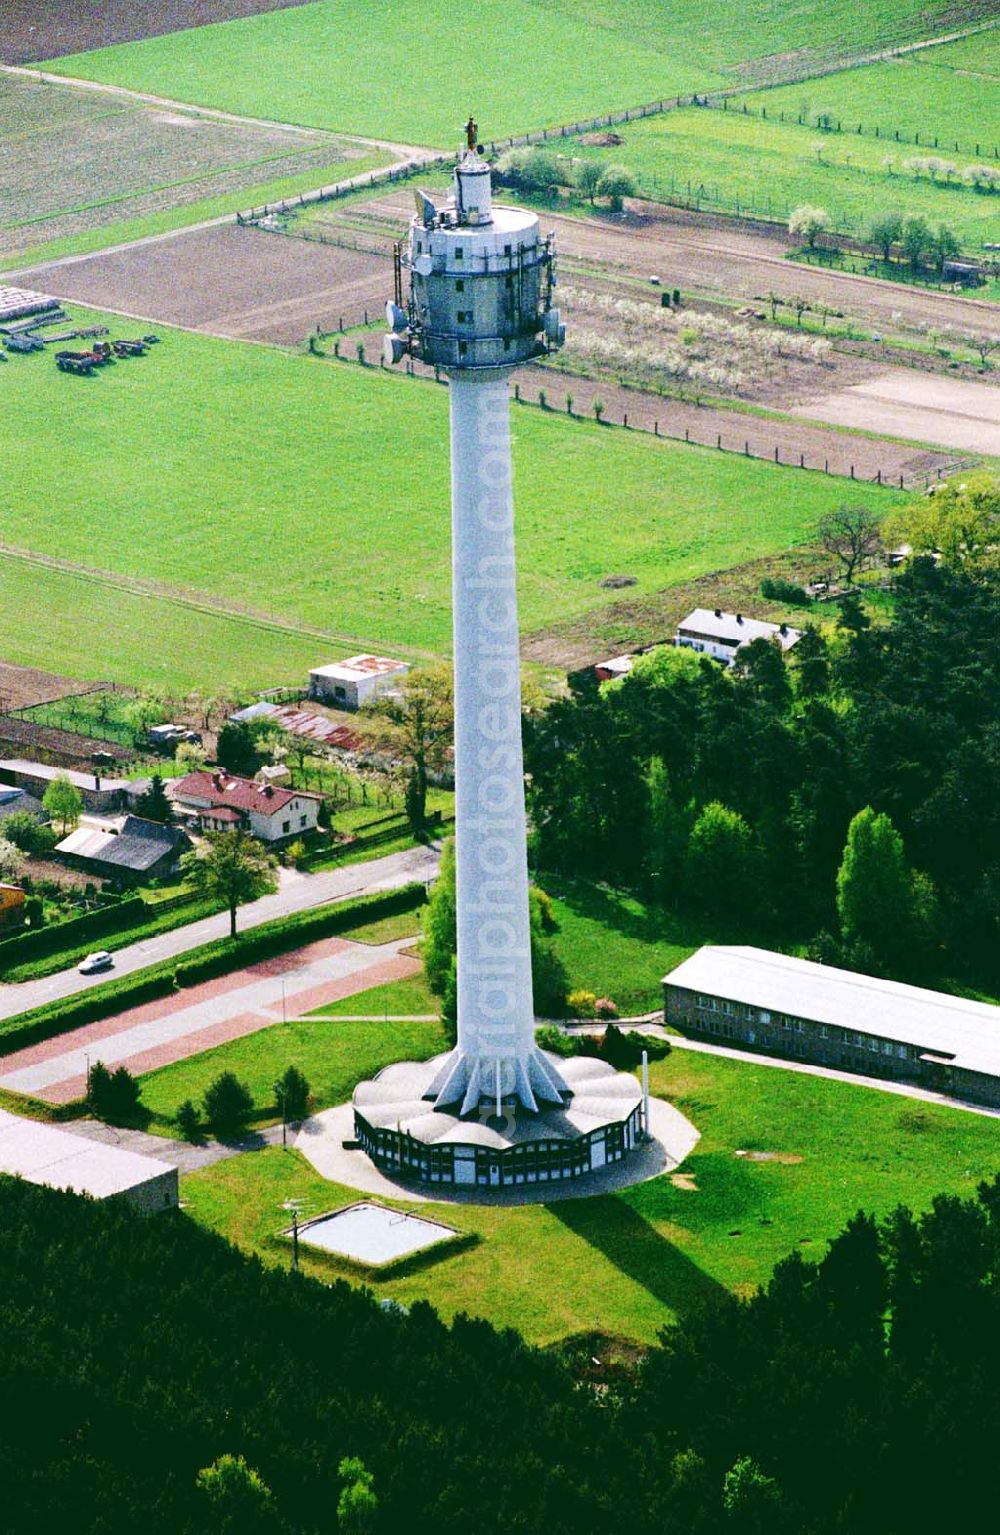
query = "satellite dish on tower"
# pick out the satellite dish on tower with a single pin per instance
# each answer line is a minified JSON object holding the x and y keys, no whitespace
{"x":396,"y":318}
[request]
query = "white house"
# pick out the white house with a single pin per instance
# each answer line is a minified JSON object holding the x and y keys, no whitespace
{"x":267,"y":811}
{"x":352,"y":683}
{"x":721,"y":635}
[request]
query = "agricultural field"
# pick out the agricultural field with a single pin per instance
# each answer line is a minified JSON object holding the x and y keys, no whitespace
{"x":628,"y":1263}
{"x":82,"y":169}
{"x":749,"y":164}
{"x":32,"y":31}
{"x":279,"y":65}
{"x":950,"y":93}
{"x":219,"y":468}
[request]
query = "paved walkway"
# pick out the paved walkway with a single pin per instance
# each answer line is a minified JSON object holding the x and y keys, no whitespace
{"x":180,"y":1154}
{"x":297,"y":892}
{"x":185,"y":1023}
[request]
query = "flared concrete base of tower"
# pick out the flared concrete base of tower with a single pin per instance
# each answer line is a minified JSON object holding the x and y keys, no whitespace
{"x":398,"y":1123}
{"x":472,"y":1082}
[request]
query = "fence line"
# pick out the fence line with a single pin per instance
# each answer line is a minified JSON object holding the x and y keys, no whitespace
{"x":740,"y":446}
{"x":825,"y":123}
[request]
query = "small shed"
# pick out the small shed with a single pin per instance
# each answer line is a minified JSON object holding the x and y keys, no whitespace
{"x":352,"y":683}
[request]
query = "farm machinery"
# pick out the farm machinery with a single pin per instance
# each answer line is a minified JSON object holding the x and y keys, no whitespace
{"x":104,"y":352}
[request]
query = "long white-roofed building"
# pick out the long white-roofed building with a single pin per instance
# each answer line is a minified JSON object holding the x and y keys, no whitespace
{"x":58,"y":1159}
{"x":861,"y":1023}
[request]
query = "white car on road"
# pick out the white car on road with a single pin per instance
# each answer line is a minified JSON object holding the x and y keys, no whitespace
{"x":102,"y":960}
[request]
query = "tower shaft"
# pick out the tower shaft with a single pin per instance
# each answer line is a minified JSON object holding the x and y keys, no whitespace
{"x":496,"y":1055}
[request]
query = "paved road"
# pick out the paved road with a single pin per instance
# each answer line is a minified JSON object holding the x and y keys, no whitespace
{"x":298,"y":892}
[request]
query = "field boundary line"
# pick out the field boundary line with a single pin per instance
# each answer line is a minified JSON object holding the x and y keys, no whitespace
{"x":201,"y":602}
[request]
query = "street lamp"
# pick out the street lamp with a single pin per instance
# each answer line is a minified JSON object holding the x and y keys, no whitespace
{"x":294,"y":1205}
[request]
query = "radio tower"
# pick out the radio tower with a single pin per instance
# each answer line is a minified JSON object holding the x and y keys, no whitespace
{"x":480,"y":303}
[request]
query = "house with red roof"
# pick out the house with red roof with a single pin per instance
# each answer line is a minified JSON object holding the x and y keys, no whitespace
{"x":221,"y":802}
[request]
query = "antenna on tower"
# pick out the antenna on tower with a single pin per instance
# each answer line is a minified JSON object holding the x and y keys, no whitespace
{"x":472,"y":134}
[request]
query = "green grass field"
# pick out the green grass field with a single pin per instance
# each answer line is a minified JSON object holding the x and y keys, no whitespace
{"x":318,"y":491}
{"x":951,"y":92}
{"x":334,"y":1054}
{"x":758,"y":165}
{"x":339,"y":64}
{"x":629,"y":1263}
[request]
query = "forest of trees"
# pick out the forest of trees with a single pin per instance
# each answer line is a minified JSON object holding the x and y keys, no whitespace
{"x":734,"y":793}
{"x":167,"y":1383}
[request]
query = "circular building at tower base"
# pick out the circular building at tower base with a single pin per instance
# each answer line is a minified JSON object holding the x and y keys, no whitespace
{"x":408,"y":1138}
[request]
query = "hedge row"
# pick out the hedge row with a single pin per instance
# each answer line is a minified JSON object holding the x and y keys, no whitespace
{"x":291,"y":932}
{"x":39,"y":942}
{"x":212,"y":959}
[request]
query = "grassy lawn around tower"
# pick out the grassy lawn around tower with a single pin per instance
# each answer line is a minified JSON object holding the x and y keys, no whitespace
{"x":337,"y":63}
{"x":334,"y":1055}
{"x":211,"y":461}
{"x":629,"y":1263}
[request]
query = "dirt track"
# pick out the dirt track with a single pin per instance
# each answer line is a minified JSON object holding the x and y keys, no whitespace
{"x":34,"y":30}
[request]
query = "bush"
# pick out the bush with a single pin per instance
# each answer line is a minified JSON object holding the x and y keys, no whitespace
{"x":188,"y":1121}
{"x":780,"y":590}
{"x":39,"y":942}
{"x":28,"y":833}
{"x":548,"y":1037}
{"x":228,"y":1104}
{"x":605,"y":1008}
{"x":581,"y":1004}
{"x":112,"y":1096}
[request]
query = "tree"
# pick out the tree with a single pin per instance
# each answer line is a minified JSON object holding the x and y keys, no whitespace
{"x":720,"y":859}
{"x":416,"y":725}
{"x":440,"y":924}
{"x":811,"y":664}
{"x":807,"y":222}
{"x":27,"y":832}
{"x":916,"y":241}
{"x":188,"y":1122}
{"x":154,"y":804}
{"x":228,"y":1104}
{"x":749,"y":1498}
{"x":237,"y":748}
{"x":12,"y":861}
{"x":291,"y":1092}
{"x":357,"y":1506}
{"x":616,"y":183}
{"x":875,"y":891}
{"x":851,"y":534}
{"x":240,"y":1499}
{"x":232,"y":867}
{"x":190,"y":757}
{"x":64,"y":802}
{"x":760,"y":666}
{"x":886,"y":231}
{"x":588,"y":178}
{"x":944,"y":246}
{"x":112,"y":1095}
{"x":142,"y":711}
{"x":533,"y":170}
{"x":960,"y":521}
{"x":668,"y":830}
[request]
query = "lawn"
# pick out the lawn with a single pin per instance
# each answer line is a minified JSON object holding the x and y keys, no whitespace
{"x":951,"y":92}
{"x":339,"y":63}
{"x":629,"y":1263}
{"x":747,"y":163}
{"x":409,"y":998}
{"x":222,"y":468}
{"x":333,"y":1054}
{"x":615,"y":946}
